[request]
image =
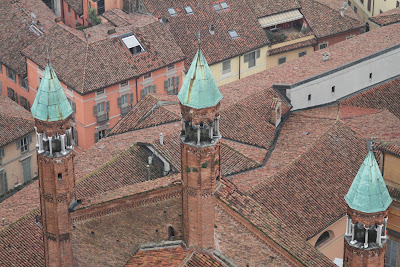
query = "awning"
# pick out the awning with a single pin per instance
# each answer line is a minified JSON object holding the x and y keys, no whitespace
{"x":280,"y":18}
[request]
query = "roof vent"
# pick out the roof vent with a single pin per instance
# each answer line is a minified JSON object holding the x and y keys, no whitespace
{"x":161,"y":139}
{"x":3,"y":222}
{"x":211,"y":29}
{"x":111,"y":31}
{"x":325,"y":56}
{"x":343,"y":8}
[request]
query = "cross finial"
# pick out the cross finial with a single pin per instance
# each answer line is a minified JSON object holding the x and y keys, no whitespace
{"x":198,"y":38}
{"x":370,"y":143}
{"x":47,"y":55}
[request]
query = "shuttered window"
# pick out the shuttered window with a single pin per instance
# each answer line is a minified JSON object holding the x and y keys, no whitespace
{"x":23,"y":143}
{"x":251,"y":57}
{"x":26,"y":169}
{"x":147,"y":90}
{"x":3,"y":182}
{"x":171,"y":85}
{"x":2,"y":155}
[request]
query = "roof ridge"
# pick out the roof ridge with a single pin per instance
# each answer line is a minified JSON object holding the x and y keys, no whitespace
{"x":20,"y":219}
{"x":84,"y":66}
{"x":345,"y":15}
{"x":231,"y":148}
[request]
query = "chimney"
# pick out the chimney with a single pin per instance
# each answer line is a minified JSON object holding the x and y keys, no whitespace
{"x":161,"y":139}
{"x":211,"y":29}
{"x":342,"y":11}
{"x":325,"y":56}
{"x":150,"y":160}
{"x":148,"y":172}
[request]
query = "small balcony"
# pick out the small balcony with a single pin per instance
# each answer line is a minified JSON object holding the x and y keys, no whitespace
{"x":286,"y":32}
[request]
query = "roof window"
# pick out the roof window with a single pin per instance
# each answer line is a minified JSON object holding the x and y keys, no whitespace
{"x":188,"y":10}
{"x":233,"y":34}
{"x":216,"y":7}
{"x":224,"y":5}
{"x":132,"y":44}
{"x":171,"y":11}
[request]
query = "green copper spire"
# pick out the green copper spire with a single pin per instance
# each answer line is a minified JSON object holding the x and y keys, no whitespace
{"x":199,"y":89}
{"x":50,"y":103}
{"x":368,"y":192}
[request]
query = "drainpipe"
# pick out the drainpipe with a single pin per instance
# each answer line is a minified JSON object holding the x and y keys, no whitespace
{"x":239,"y":67}
{"x":137,"y":97}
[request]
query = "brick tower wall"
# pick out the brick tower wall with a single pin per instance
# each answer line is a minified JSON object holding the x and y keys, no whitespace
{"x":56,"y":196}
{"x":200,"y":176}
{"x":354,"y":257}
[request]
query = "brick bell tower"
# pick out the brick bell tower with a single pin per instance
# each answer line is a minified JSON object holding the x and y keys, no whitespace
{"x":368,"y":200}
{"x":52,"y":112}
{"x":200,"y":147}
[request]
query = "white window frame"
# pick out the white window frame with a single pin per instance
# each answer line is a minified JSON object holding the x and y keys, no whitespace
{"x":233,"y":34}
{"x":222,"y":5}
{"x":24,"y":144}
{"x":189,"y":10}
{"x":172,"y":13}
{"x":124,"y":100}
{"x":147,"y":76}
{"x":101,"y":109}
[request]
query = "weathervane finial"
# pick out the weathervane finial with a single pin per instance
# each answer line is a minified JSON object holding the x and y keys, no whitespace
{"x":47,"y":55}
{"x":370,"y":143}
{"x":199,"y":38}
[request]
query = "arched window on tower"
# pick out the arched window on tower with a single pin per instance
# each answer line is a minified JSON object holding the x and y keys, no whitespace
{"x":171,"y":233}
{"x":323,"y":238}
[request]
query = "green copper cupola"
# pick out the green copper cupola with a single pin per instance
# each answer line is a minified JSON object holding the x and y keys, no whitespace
{"x":199,"y":89}
{"x":50,"y":103}
{"x":368,"y":192}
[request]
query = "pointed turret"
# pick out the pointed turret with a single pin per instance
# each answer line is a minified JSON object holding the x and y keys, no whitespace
{"x":50,"y":103}
{"x":199,"y":89}
{"x":201,"y":170}
{"x":368,"y":201}
{"x":368,"y":192}
{"x":52,"y":111}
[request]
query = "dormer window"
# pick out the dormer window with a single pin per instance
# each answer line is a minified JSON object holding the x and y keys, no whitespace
{"x":172,"y":11}
{"x":233,"y":34}
{"x":132,"y":44}
{"x":188,"y":10}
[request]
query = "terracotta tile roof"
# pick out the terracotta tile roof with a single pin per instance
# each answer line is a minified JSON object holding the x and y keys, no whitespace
{"x":232,"y":161}
{"x":20,"y":204}
{"x":15,"y":121}
{"x":119,"y":18}
{"x":262,"y":8}
{"x":272,"y":227}
{"x":292,"y":47}
{"x":200,"y":259}
{"x":393,"y":148}
{"x":126,"y":169}
{"x":220,"y":45}
{"x":76,"y":5}
{"x":148,"y":112}
{"x":312,"y":195}
{"x":14,"y":36}
{"x":107,"y":61}
{"x":21,"y":244}
{"x":384,"y":96}
{"x":257,"y":154}
{"x":387,"y":18}
{"x":394,"y":192}
{"x":324,"y":17}
{"x":171,"y":256}
{"x":247,"y":120}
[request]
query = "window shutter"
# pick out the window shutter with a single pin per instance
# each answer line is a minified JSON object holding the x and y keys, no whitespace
{"x":74,"y":107}
{"x":2,"y":154}
{"x":246,"y":58}
{"x":16,"y":97}
{"x":5,"y":183}
{"x":131,"y":98}
{"x":165,"y":85}
{"x":21,"y":100}
{"x":154,"y":88}
{"x":19,"y":144}
{"x":177,"y":82}
{"x":141,"y":93}
{"x":9,"y":92}
{"x":108,"y":106}
{"x":258,"y":53}
{"x":119,"y":102}
{"x":95,"y":110}
{"x":1,"y":89}
{"x":75,"y":136}
{"x":96,"y":137}
{"x":29,"y":139}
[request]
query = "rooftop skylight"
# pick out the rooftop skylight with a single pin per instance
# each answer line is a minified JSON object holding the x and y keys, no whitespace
{"x":216,"y":7}
{"x":132,"y":43}
{"x":171,"y":11}
{"x":233,"y":34}
{"x":188,"y":10}
{"x":224,"y":5}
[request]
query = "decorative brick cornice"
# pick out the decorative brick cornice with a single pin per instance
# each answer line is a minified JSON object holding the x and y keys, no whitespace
{"x":367,"y":218}
{"x":122,"y":204}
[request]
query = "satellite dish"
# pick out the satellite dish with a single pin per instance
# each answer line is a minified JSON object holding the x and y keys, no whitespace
{"x":33,"y":16}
